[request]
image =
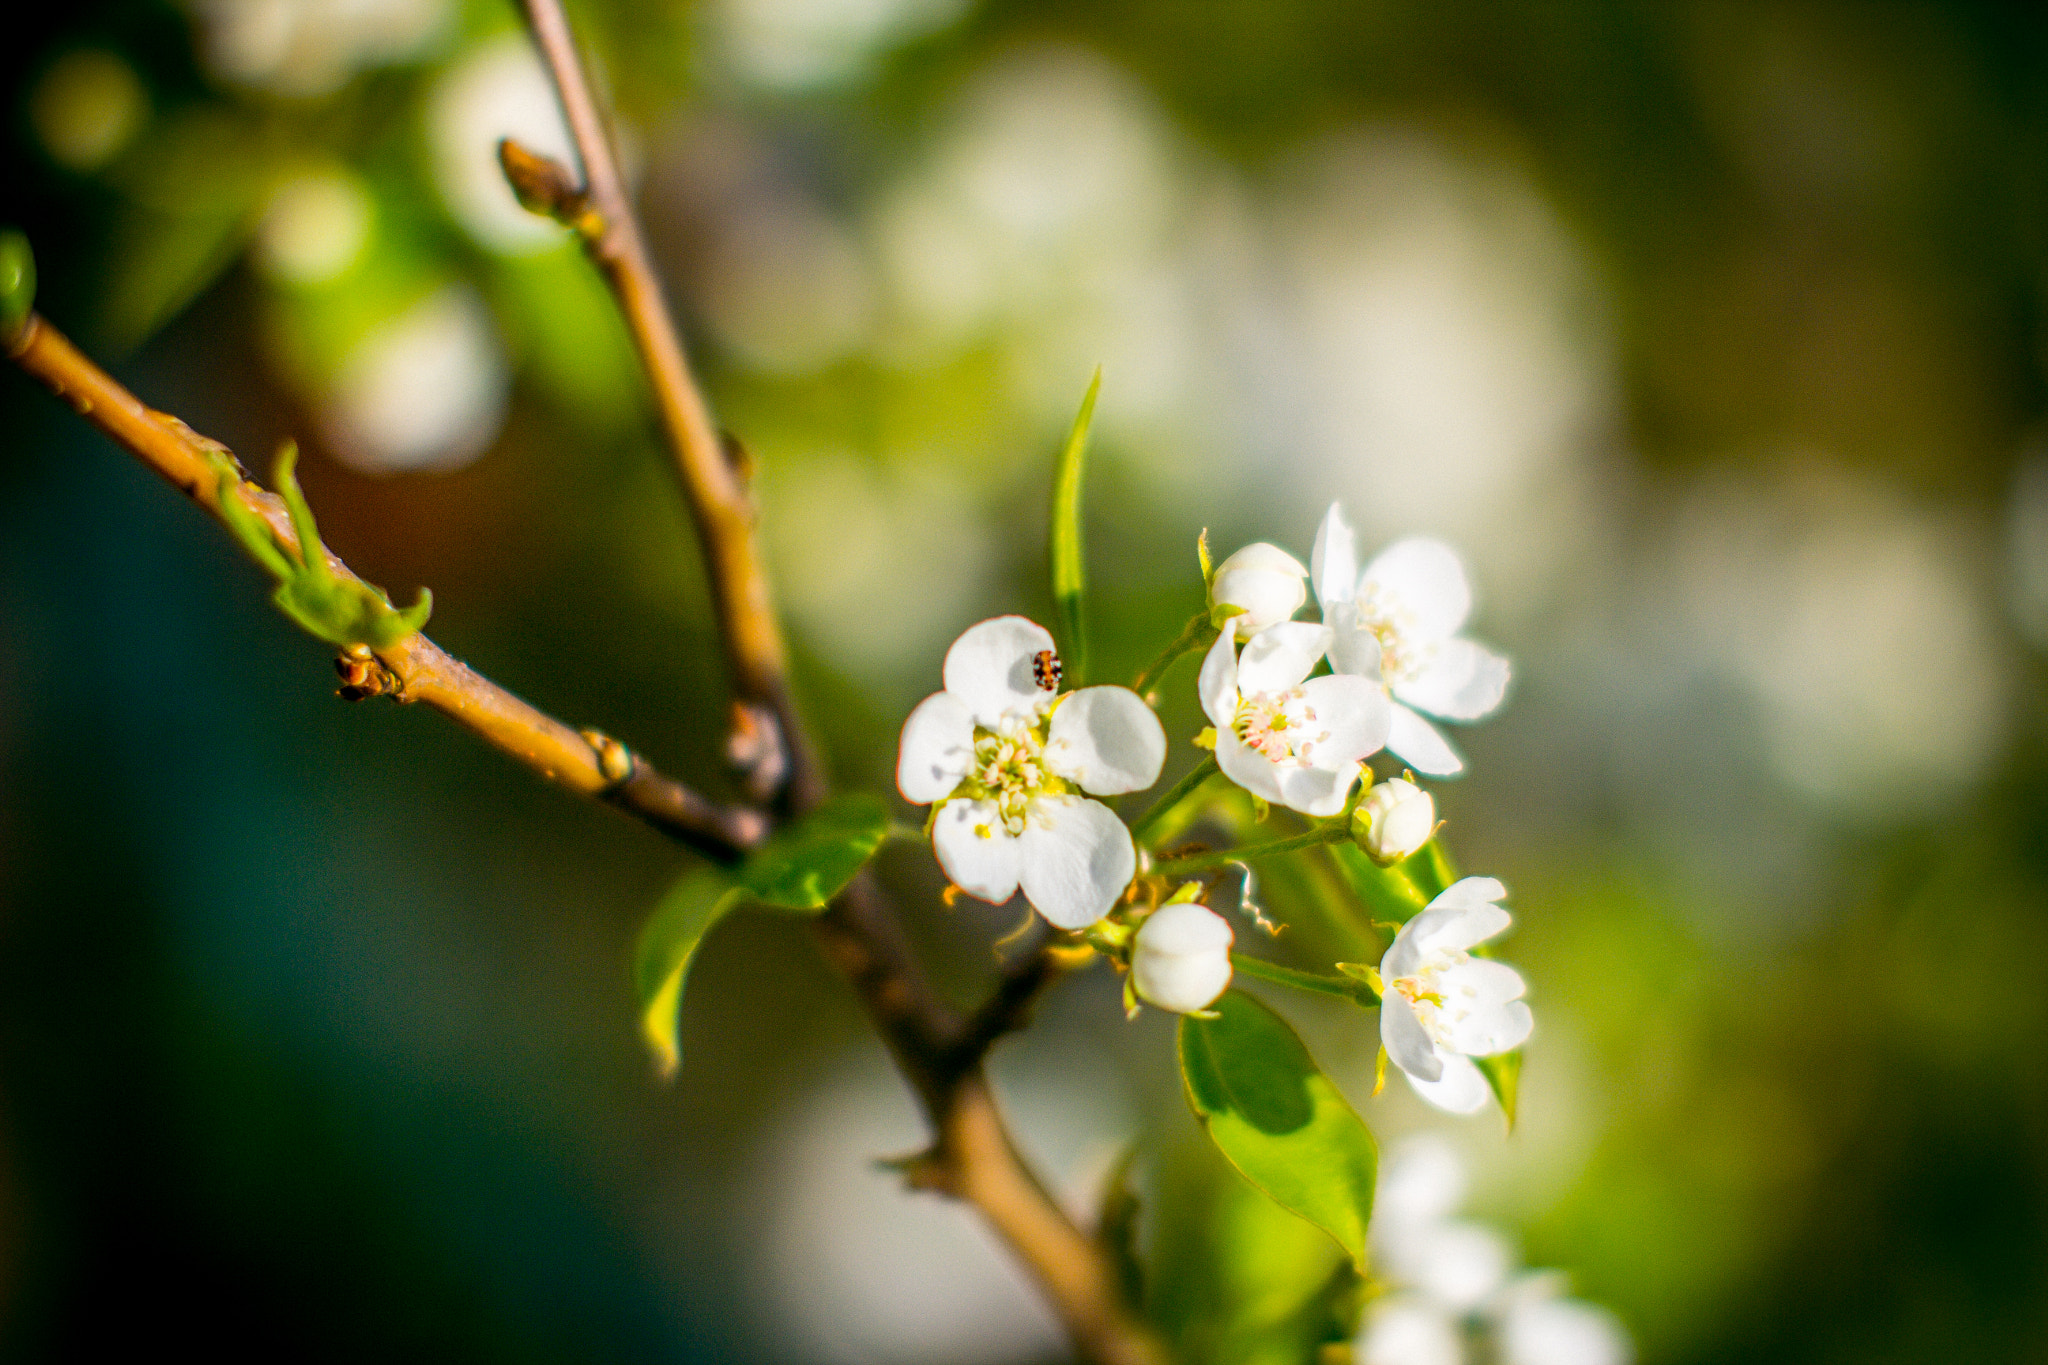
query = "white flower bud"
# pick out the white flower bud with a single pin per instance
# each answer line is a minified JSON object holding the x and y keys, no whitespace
{"x":1181,"y":958}
{"x":1396,"y":818}
{"x":1269,"y":583}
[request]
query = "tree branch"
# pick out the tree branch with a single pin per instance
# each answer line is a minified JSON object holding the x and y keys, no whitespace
{"x":972,"y":1156}
{"x":415,"y":669}
{"x":719,"y":503}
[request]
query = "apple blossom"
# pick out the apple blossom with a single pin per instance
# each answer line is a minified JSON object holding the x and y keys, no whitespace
{"x":1180,"y":960}
{"x":1398,"y":621}
{"x":1408,"y":1329}
{"x":1281,"y":734}
{"x":1440,"y":1006}
{"x":1006,"y":756}
{"x":1265,"y":581}
{"x":1396,"y":818}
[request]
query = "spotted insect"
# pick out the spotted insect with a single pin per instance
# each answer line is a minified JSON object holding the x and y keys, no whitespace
{"x":1045,"y":670}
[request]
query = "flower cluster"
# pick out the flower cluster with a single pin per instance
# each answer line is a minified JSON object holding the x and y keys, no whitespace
{"x":1453,"y":1297}
{"x":1010,"y":765}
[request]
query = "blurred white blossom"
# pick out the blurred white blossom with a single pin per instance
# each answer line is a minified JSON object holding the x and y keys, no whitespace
{"x":495,"y":91}
{"x":1455,"y":1298}
{"x":315,"y":226}
{"x":800,"y":44}
{"x":311,"y":47}
{"x":425,"y":390}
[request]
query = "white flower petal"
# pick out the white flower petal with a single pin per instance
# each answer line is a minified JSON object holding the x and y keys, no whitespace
{"x":1421,"y":1181}
{"x":977,"y":853}
{"x":1316,"y":791}
{"x":1261,"y":557}
{"x":1488,"y":1031}
{"x":1460,"y":1265}
{"x":1402,"y":1035}
{"x":1408,"y":1331}
{"x":1333,"y":567}
{"x":1463,"y":680}
{"x":1218,"y":682}
{"x":1263,"y":579}
{"x":1076,"y":859}
{"x":1180,"y":960}
{"x":1471,"y":891}
{"x":1460,"y":1090}
{"x":990,"y":668}
{"x":1449,"y":926}
{"x":1416,"y":742}
{"x":1353,"y":648}
{"x":1356,"y":713}
{"x":1426,"y":579}
{"x":1185,"y":927}
{"x":1563,"y":1332}
{"x":1106,"y":739}
{"x":936,"y":750}
{"x":1281,"y":656}
{"x":1246,"y":766}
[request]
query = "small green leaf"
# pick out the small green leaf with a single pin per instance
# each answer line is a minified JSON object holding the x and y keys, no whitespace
{"x":1504,"y":1074}
{"x":1386,"y":891}
{"x":341,"y":611}
{"x":1069,"y":577}
{"x":17,"y":284}
{"x":808,"y":863}
{"x":1278,"y":1118}
{"x":668,"y":942}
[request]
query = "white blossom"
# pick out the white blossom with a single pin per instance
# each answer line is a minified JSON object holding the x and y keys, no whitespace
{"x":1263,"y":579}
{"x":1398,"y":621}
{"x":1180,"y":960}
{"x":1009,"y":756}
{"x":1537,"y":1325}
{"x":1453,"y":1295}
{"x":1281,"y":734}
{"x":1396,"y":818}
{"x":1440,"y":1006}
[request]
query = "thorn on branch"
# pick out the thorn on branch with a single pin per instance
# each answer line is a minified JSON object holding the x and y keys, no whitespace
{"x":545,"y":186}
{"x":756,"y":750}
{"x":739,"y":458}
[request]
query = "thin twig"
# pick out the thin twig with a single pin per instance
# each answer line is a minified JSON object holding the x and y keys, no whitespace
{"x":719,"y":503}
{"x":972,"y":1156}
{"x":418,"y":669}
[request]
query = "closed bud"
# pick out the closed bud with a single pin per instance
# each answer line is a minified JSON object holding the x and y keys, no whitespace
{"x":1264,"y":580}
{"x":1396,"y":818}
{"x":1181,"y":958}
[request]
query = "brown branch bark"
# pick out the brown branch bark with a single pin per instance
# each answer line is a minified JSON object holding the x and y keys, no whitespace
{"x":415,"y":669}
{"x":972,"y":1156}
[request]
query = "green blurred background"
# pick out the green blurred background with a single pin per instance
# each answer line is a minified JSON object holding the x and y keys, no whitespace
{"x":1713,"y":333}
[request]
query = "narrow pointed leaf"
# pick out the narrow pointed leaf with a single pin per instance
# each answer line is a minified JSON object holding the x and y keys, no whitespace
{"x":1504,"y":1074}
{"x":668,"y":943}
{"x":1069,"y":576}
{"x":1278,"y":1119}
{"x":809,"y":862}
{"x":1386,"y":891}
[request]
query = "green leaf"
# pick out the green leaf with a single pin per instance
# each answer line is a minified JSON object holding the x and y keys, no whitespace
{"x":668,"y":942}
{"x":1430,"y":869}
{"x":341,"y":611}
{"x":1386,"y":891}
{"x":1281,"y":1122}
{"x":808,"y":863}
{"x":1069,"y":578}
{"x":1504,"y":1074}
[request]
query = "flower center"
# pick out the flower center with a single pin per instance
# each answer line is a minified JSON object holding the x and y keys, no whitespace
{"x":1389,"y":621}
{"x":1009,"y":769}
{"x":1280,"y":725}
{"x":1435,"y":1005}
